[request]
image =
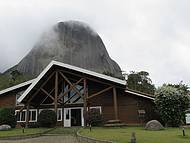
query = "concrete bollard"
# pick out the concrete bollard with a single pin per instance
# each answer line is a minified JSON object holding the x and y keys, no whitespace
{"x":133,"y":137}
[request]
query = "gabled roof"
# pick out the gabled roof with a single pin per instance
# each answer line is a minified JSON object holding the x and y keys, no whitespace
{"x":144,"y":95}
{"x":71,"y":67}
{"x":16,"y":86}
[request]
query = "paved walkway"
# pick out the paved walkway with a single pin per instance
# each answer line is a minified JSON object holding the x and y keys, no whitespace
{"x":45,"y":139}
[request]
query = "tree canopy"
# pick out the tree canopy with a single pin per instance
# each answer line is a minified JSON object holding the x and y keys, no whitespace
{"x":171,"y":103}
{"x":140,"y":81}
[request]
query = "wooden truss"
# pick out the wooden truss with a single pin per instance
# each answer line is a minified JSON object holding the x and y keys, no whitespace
{"x":58,"y":99}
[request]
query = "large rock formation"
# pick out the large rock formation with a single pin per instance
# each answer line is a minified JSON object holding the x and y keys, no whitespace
{"x":73,"y":43}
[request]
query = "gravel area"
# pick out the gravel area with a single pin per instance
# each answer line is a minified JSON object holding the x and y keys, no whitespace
{"x":45,"y":139}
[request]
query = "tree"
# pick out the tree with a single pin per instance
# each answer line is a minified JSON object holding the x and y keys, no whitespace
{"x":171,"y":104}
{"x":140,"y":81}
{"x":7,"y":116}
{"x":183,"y":88}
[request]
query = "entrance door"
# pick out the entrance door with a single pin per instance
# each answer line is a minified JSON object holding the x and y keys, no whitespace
{"x":67,"y":117}
{"x":73,"y":117}
{"x":76,"y":117}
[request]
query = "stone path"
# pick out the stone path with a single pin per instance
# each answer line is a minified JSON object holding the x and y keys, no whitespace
{"x":45,"y":139}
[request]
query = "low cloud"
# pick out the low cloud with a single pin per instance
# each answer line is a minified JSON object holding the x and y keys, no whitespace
{"x":151,"y":35}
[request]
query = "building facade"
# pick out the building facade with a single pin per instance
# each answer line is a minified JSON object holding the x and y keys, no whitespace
{"x":71,"y":91}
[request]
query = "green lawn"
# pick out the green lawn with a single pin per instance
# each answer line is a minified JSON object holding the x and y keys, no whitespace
{"x":19,"y":132}
{"x":122,"y":135}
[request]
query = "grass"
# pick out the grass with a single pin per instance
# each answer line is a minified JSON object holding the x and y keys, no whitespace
{"x":32,"y":131}
{"x":19,"y":132}
{"x":123,"y":135}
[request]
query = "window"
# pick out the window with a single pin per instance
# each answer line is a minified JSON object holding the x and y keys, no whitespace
{"x":72,"y":96}
{"x":67,"y":114}
{"x":59,"y":115}
{"x":33,"y":115}
{"x":21,"y":116}
{"x":97,"y":108}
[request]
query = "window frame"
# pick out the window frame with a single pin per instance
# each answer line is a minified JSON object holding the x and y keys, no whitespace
{"x":30,"y":115}
{"x":96,"y":107}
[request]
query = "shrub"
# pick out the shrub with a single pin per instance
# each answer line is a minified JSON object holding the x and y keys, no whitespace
{"x":33,"y":125}
{"x":171,"y":105}
{"x":7,"y":116}
{"x":94,"y":117}
{"x":47,"y":118}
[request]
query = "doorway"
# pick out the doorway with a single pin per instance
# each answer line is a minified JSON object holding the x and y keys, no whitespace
{"x":75,"y":117}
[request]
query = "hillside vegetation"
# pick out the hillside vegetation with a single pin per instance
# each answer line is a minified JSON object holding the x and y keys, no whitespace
{"x":14,"y":78}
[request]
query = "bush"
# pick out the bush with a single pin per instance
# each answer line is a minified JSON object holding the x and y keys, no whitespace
{"x":47,"y":118}
{"x":7,"y":116}
{"x":33,"y":125}
{"x":94,"y":117}
{"x":171,"y":105}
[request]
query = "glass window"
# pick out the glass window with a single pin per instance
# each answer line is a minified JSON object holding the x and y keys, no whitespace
{"x":67,"y":114}
{"x":96,"y":109}
{"x":59,"y":115}
{"x":23,"y":116}
{"x":18,"y":116}
{"x":32,"y":115}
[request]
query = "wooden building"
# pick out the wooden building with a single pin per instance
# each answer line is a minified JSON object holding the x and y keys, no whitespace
{"x":70,"y":91}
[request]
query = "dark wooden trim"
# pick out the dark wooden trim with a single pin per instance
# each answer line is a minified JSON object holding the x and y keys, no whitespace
{"x":70,"y":84}
{"x":71,"y":87}
{"x":27,"y":114}
{"x":56,"y":91}
{"x":71,"y":97}
{"x":41,"y":87}
{"x":85,"y":103}
{"x":88,"y":78}
{"x":48,"y":94}
{"x":100,"y":92}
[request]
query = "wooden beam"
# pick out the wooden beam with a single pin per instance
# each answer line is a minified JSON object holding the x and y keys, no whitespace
{"x":62,"y":105}
{"x":71,"y":87}
{"x":45,"y":98}
{"x":105,"y":83}
{"x":56,"y":92}
{"x":27,"y":114}
{"x":85,"y":103}
{"x":48,"y":95}
{"x":41,"y":87}
{"x":100,"y":92}
{"x":71,"y":97}
{"x":70,"y":84}
{"x":115,"y":103}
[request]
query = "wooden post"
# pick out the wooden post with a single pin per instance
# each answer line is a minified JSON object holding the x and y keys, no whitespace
{"x":115,"y":103}
{"x":38,"y":113}
{"x":63,"y":90}
{"x":85,"y":104}
{"x":27,"y":115}
{"x":56,"y":92}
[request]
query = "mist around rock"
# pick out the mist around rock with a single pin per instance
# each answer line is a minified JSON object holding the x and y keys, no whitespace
{"x":70,"y":42}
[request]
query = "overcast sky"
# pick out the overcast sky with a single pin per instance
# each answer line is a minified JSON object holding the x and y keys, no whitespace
{"x":150,"y":35}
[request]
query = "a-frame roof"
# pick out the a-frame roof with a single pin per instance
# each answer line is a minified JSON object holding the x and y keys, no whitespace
{"x":71,"y":67}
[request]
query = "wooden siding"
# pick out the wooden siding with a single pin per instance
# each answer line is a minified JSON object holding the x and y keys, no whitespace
{"x":8,"y":101}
